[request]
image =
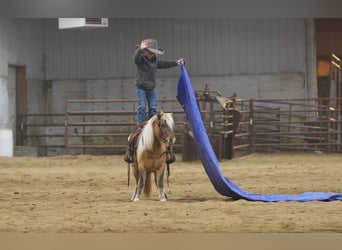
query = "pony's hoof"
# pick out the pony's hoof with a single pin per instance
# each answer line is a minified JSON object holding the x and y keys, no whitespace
{"x":163,"y":199}
{"x":136,"y":199}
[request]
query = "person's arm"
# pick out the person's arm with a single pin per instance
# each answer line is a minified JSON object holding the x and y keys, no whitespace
{"x":138,"y":56}
{"x":169,"y":64}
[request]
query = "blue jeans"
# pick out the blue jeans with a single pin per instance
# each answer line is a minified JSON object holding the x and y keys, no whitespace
{"x":146,"y":98}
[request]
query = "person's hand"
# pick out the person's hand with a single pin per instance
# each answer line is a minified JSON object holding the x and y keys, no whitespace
{"x":143,"y":44}
{"x":180,"y":61}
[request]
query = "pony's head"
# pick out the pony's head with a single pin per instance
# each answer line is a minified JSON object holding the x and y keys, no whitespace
{"x":166,"y":124}
{"x":159,"y":127}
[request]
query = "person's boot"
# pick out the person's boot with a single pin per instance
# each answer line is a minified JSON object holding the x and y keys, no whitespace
{"x":128,"y":156}
{"x":132,"y":139}
{"x":129,"y":152}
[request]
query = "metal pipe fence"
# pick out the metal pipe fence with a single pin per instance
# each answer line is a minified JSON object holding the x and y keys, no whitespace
{"x":235,"y":126}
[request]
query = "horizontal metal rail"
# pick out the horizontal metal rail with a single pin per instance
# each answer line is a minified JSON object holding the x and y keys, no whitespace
{"x":98,"y":124}
{"x":265,"y":124}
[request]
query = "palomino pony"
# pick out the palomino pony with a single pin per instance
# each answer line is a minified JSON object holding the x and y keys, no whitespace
{"x":151,"y":154}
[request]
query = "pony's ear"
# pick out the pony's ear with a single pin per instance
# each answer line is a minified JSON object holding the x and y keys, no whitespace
{"x":159,"y":114}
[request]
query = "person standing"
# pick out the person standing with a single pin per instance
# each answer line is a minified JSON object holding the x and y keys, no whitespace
{"x":147,"y":63}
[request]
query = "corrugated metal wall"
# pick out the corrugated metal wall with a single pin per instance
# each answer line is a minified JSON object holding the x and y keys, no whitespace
{"x":210,"y":46}
{"x":22,"y":43}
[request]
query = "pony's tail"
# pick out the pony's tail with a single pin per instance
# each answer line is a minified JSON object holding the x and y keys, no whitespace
{"x":148,"y":186}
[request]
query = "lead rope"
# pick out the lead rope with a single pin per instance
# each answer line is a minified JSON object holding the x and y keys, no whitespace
{"x":128,"y":173}
{"x":167,"y":173}
{"x":168,"y":155}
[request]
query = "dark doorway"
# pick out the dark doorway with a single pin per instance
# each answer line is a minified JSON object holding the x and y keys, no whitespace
{"x":329,"y":54}
{"x":17,"y":102}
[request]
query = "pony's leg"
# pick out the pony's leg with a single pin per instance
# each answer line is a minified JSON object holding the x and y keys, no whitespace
{"x":136,"y":176}
{"x":134,"y":194}
{"x":140,"y":186}
{"x":160,"y":185}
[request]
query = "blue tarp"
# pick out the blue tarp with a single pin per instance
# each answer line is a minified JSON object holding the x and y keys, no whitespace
{"x":222,"y":184}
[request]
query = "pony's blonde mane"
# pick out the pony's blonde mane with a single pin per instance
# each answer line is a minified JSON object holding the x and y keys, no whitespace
{"x":168,"y":118}
{"x":146,"y":138}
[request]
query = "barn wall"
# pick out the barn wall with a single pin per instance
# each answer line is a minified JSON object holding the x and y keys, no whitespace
{"x":284,"y":85}
{"x":21,"y":44}
{"x":211,"y":47}
{"x":254,"y":58}
{"x":249,"y":57}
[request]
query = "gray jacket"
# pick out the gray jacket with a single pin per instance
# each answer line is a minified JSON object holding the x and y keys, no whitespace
{"x":146,"y":69}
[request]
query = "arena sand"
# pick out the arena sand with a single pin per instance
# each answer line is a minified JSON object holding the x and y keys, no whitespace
{"x":76,"y":194}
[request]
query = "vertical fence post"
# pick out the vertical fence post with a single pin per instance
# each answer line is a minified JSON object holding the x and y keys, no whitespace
{"x":66,"y":127}
{"x":251,"y":126}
